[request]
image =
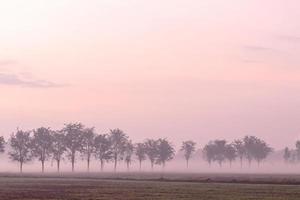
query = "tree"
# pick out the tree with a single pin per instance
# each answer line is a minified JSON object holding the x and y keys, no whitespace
{"x":249,"y":144}
{"x":220,"y":149}
{"x":293,"y":157}
{"x":286,"y":155}
{"x":88,"y":139}
{"x":230,"y":153}
{"x":240,"y":150}
{"x":140,"y":152}
{"x":165,"y":152}
{"x":58,"y":147}
{"x":118,"y":143}
{"x":20,"y":147}
{"x":42,"y":144}
{"x":188,"y":148}
{"x":73,"y":140}
{"x":209,"y":152}
{"x":128,"y":152}
{"x":151,"y":150}
{"x":256,"y":149}
{"x":103,"y":149}
{"x":2,"y":144}
{"x":298,"y":150}
{"x":261,"y":151}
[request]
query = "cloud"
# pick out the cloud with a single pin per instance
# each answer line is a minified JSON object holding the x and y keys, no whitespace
{"x":7,"y":62}
{"x":14,"y":77}
{"x":289,"y":38}
{"x":18,"y":80}
{"x":256,"y":48}
{"x":250,"y":61}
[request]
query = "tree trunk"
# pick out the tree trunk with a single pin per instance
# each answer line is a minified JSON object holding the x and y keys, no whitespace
{"x":43,"y":166}
{"x":162,"y":170}
{"x":73,"y":161}
{"x":152,"y":165}
{"x":43,"y":160}
{"x":72,"y":166}
{"x":88,"y":164}
{"x":58,"y":165}
{"x":241,"y":162}
{"x":187,"y":163}
{"x":115,"y":167}
{"x":140,"y":165}
{"x":127,"y":166}
{"x":21,"y":167}
{"x":102,"y":165}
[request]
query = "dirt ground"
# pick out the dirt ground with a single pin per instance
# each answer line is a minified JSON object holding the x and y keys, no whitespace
{"x":148,"y":186}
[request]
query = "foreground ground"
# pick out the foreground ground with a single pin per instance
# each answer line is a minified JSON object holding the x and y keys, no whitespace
{"x":120,"y":187}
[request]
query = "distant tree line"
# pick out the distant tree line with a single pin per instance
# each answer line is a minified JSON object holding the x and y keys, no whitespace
{"x":249,"y":148}
{"x":292,"y":155}
{"x":74,"y":140}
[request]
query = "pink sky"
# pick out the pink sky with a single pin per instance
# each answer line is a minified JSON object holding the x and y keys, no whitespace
{"x":182,"y":69}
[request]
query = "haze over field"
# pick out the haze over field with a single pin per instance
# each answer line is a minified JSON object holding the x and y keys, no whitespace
{"x":182,"y":69}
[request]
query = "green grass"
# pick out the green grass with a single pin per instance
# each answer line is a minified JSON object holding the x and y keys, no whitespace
{"x":26,"y":188}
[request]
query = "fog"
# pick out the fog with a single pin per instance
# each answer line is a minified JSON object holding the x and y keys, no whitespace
{"x":274,"y":164}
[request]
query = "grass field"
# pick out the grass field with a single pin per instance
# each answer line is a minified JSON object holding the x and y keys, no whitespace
{"x":143,"y":187}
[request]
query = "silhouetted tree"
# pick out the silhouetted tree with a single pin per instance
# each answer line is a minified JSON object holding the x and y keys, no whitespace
{"x":103,"y":150}
{"x":88,"y":144}
{"x":188,"y":148}
{"x":249,"y":144}
{"x":140,"y":152}
{"x":261,"y":151}
{"x":73,"y":140}
{"x":220,"y":149}
{"x":151,"y":150}
{"x":256,"y":149}
{"x":20,"y":147}
{"x":240,"y":150}
{"x":58,"y":147}
{"x":128,"y":152}
{"x":2,"y":144}
{"x":209,"y":152}
{"x":165,"y":152}
{"x":230,"y":153}
{"x":42,"y":144}
{"x":298,"y":150}
{"x":286,"y":155}
{"x":118,"y":143}
{"x":293,"y":156}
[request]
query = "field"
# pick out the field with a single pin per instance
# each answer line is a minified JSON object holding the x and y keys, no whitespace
{"x":149,"y":186}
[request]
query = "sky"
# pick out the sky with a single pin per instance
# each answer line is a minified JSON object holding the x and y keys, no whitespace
{"x":180,"y":69}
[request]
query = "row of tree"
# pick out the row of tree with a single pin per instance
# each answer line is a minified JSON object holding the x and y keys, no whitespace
{"x":249,"y":148}
{"x":75,"y":139}
{"x":292,"y":155}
